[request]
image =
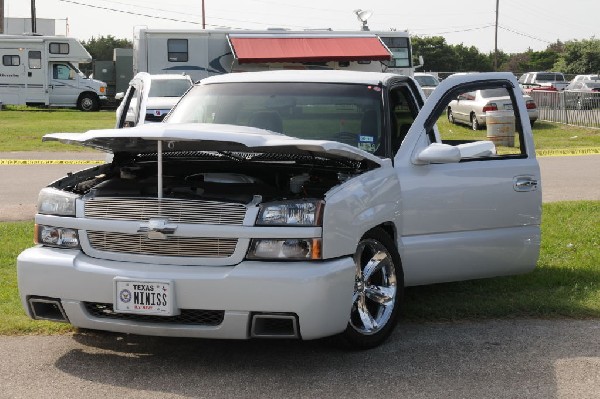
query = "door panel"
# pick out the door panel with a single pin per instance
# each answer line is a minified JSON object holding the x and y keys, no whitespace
{"x":478,"y":217}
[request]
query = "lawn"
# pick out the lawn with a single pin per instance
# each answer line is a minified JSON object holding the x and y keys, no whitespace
{"x":23,"y":127}
{"x":566,"y":282}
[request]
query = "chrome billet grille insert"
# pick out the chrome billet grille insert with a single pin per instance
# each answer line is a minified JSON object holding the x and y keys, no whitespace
{"x":140,"y":244}
{"x":176,"y":210}
{"x":198,"y":317}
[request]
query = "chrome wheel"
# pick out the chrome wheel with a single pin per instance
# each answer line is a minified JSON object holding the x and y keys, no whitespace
{"x":375,"y":288}
{"x":450,"y":116}
{"x":378,"y":292}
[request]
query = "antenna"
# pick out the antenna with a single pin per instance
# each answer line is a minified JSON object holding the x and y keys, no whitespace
{"x":362,"y":16}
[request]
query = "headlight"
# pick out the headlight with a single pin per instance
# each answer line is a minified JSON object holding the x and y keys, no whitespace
{"x":56,"y":236}
{"x":296,"y":213}
{"x":291,"y":249}
{"x":56,"y":202}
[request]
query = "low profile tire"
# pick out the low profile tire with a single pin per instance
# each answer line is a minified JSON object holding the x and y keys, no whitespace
{"x":451,"y":116}
{"x":474,"y":122}
{"x":88,"y":103}
{"x":378,"y":292}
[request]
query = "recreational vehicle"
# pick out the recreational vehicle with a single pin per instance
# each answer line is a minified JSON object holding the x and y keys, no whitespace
{"x":42,"y":70}
{"x":203,"y":53}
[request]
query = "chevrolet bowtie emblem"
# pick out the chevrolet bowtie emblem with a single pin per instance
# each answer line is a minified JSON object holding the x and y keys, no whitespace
{"x":157,"y":229}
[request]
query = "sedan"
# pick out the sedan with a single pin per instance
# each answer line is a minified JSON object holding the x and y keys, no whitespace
{"x":583,"y":94}
{"x":470,"y":108}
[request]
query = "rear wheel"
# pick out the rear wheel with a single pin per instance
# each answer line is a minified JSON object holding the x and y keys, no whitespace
{"x":474,"y":122}
{"x":88,"y":102}
{"x":378,"y":292}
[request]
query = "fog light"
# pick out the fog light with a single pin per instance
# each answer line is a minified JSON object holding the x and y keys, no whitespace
{"x":291,"y":249}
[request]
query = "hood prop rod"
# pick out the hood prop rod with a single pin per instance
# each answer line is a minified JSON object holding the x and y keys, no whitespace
{"x":160,"y":169}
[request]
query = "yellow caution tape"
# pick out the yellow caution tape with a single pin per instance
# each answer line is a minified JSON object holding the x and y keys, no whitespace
{"x":567,"y":152}
{"x":49,"y":162}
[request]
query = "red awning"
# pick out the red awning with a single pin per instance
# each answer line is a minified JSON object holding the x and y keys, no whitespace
{"x":247,"y":49}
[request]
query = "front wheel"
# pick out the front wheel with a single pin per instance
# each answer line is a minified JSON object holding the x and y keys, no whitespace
{"x":378,"y":292}
{"x":88,"y":102}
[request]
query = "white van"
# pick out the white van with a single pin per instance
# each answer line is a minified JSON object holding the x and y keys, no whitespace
{"x":42,"y":70}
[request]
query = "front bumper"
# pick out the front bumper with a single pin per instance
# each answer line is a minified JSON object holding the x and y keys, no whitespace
{"x":319,"y":294}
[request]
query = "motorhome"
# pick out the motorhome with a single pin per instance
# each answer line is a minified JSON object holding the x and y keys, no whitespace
{"x":43,"y":70}
{"x":203,"y":53}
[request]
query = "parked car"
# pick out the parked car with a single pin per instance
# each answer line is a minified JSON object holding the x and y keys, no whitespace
{"x":585,"y":77}
{"x":470,"y":108}
{"x":552,"y":81}
{"x":583,"y":94}
{"x":162,"y":90}
{"x":282,"y":204}
{"x":427,"y":81}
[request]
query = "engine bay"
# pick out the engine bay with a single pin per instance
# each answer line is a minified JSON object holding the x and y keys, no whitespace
{"x":230,"y":180}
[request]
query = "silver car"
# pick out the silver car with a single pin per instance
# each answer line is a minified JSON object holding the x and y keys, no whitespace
{"x":470,"y":108}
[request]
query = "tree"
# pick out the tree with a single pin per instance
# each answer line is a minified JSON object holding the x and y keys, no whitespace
{"x":102,"y":49}
{"x":440,"y":56}
{"x":437,"y":54}
{"x":580,"y":57}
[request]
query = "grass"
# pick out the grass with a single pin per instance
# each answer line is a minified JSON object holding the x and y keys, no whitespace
{"x":566,"y":282}
{"x":23,"y":127}
{"x":546,"y":135}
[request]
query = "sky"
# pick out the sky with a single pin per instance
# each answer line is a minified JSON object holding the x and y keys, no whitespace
{"x":523,"y":24}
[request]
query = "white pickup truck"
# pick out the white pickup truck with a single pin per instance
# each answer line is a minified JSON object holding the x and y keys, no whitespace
{"x":290,"y":204}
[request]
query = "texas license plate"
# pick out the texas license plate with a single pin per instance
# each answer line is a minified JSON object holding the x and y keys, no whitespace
{"x":144,"y":297}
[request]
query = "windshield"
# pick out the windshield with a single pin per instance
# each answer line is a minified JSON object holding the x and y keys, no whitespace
{"x":427,"y":80}
{"x":168,"y":87}
{"x":348,"y":113}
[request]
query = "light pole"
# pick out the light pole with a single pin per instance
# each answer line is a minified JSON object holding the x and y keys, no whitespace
{"x":496,"y":38}
{"x":33,"y":22}
{"x":203,"y":19}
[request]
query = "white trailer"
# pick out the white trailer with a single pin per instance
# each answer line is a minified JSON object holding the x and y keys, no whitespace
{"x":203,"y":53}
{"x":43,"y":70}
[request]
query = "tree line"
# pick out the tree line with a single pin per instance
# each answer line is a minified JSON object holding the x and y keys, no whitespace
{"x":575,"y":57}
{"x":571,"y":57}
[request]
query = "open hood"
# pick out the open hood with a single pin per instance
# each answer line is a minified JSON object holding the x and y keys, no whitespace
{"x":208,"y":137}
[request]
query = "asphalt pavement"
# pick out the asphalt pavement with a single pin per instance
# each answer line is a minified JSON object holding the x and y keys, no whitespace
{"x":486,"y":359}
{"x":472,"y":359}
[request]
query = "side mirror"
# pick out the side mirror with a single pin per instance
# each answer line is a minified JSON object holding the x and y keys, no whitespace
{"x":439,"y":153}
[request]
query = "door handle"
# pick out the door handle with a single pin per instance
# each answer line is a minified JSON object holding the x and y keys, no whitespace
{"x":525,"y":183}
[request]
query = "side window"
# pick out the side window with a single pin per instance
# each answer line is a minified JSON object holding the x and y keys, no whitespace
{"x":61,"y":72}
{"x":402,"y":115}
{"x":11,"y":60}
{"x":491,"y":117}
{"x":59,"y":48}
{"x":35,"y":60}
{"x":177,"y":50}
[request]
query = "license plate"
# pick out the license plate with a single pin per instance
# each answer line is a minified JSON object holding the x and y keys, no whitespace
{"x":508,"y":107}
{"x":144,"y":297}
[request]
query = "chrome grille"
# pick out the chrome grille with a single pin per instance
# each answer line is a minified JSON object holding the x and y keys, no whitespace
{"x":176,"y":210}
{"x":140,"y":244}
